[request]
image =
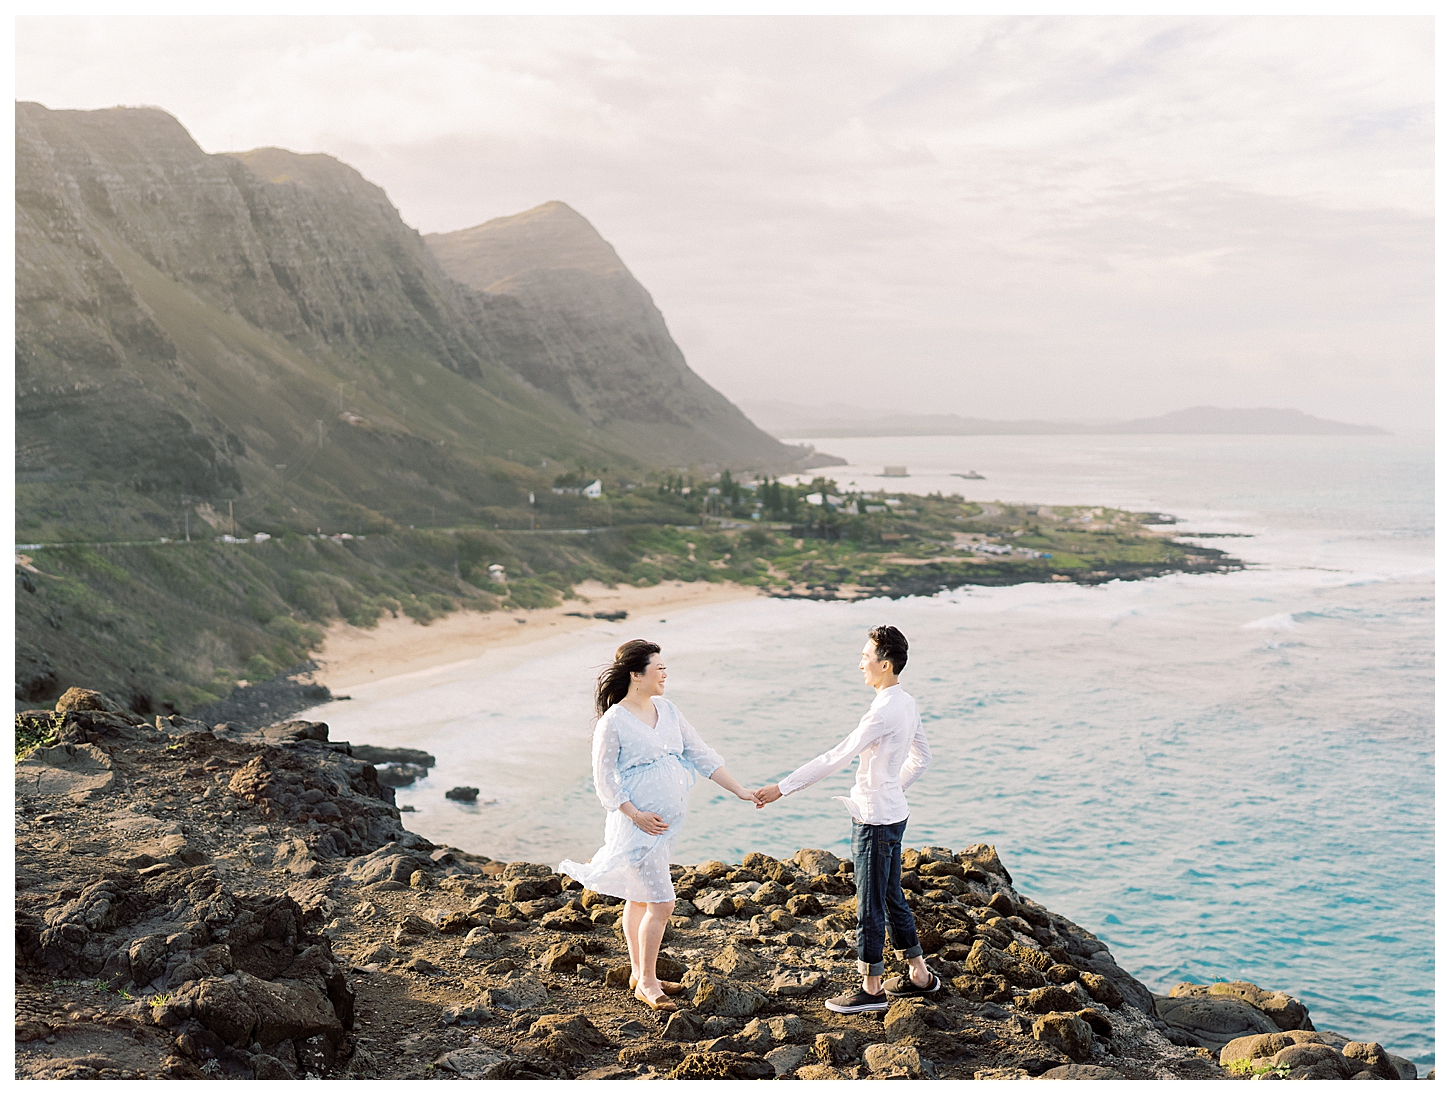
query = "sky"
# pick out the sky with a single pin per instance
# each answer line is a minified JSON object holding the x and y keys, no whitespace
{"x":998,"y":217}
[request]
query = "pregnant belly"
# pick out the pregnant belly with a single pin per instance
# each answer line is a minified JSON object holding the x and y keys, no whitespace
{"x":662,"y":787}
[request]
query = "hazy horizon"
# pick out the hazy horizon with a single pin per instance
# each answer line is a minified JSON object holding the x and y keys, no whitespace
{"x":1066,"y":218}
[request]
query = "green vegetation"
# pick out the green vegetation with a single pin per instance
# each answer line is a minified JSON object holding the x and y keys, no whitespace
{"x":174,"y":626}
{"x":32,"y":730}
{"x":1244,"y":1067}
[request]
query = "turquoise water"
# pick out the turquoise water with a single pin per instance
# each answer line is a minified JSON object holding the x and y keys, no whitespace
{"x":1224,"y":776}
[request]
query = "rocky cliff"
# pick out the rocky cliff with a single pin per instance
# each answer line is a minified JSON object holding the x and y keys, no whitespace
{"x":198,"y":901}
{"x":560,"y":305}
{"x":264,"y":326}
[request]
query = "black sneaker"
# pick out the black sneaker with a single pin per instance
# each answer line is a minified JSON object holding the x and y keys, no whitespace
{"x":860,"y":1000}
{"x":899,"y":987}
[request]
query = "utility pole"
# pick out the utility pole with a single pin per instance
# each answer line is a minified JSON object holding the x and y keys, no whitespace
{"x":232,"y":518}
{"x":187,"y":514}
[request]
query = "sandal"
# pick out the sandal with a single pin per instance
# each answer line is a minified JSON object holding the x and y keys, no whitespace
{"x":672,"y":988}
{"x":664,"y":1003}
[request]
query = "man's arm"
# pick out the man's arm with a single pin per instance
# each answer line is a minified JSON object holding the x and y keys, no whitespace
{"x":918,"y":759}
{"x":867,"y":731}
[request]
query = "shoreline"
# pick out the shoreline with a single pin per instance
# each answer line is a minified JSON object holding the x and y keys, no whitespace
{"x":351,"y":657}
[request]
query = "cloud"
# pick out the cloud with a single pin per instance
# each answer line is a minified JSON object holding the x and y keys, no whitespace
{"x":1009,"y":217}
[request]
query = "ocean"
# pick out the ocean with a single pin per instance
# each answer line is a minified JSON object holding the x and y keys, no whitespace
{"x":1222,"y":776}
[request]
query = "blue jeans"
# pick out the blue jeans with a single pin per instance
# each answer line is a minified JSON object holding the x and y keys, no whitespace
{"x":880,"y":904}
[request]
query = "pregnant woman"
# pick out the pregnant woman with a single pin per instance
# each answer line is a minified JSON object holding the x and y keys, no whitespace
{"x":646,"y":757}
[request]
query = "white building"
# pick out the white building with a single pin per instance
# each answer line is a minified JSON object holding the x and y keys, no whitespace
{"x":594,"y":489}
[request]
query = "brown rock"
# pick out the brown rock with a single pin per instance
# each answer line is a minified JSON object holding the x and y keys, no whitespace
{"x":1065,"y":1032}
{"x":737,"y":961}
{"x":1326,"y":1062}
{"x":772,"y":893}
{"x":1286,"y":1012}
{"x":1252,"y":1047}
{"x":457,"y":922}
{"x":567,"y":1038}
{"x":1100,"y":988}
{"x":1050,"y":998}
{"x":1035,"y":957}
{"x":1081,"y":1072}
{"x":657,"y":1054}
{"x":723,"y":1066}
{"x":804,"y":906}
{"x":837,"y":1047}
{"x":1002,"y":904}
{"x":27,"y":1030}
{"x":719,"y":996}
{"x":894,"y":1062}
{"x":815,"y":861}
{"x":1101,"y":1025}
{"x":1213,"y":1021}
{"x":84,"y":699}
{"x":682,"y":1026}
{"x":993,"y":987}
{"x":1371,"y":1056}
{"x":567,"y":919}
{"x":818,"y":1072}
{"x":909,"y":1019}
{"x":561,"y":958}
{"x":983,"y":858}
{"x":1061,"y":973}
{"x":935,"y":869}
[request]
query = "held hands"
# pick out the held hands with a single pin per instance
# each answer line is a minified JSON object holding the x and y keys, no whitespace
{"x":766,"y":795}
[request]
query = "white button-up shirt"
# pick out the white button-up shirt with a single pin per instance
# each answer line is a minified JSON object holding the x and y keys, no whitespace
{"x":893,"y":751}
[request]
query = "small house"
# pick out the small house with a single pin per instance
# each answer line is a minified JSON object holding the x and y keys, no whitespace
{"x":594,"y":490}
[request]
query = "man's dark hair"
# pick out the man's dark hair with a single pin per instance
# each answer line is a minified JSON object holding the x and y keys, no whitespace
{"x":890,"y":644}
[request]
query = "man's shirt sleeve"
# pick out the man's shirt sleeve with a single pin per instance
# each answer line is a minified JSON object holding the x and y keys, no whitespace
{"x":868,"y":730}
{"x":918,"y":759}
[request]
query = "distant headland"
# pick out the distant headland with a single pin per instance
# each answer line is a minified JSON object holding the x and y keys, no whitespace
{"x":838,"y":420}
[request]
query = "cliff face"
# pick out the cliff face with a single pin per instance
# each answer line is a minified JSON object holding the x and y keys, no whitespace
{"x":188,"y":324}
{"x":561,"y":307}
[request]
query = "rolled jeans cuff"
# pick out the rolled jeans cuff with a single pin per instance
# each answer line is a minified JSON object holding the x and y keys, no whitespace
{"x":871,"y":969}
{"x":911,"y":952}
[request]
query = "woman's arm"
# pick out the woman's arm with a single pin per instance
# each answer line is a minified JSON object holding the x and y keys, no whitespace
{"x":705,"y":759}
{"x":730,"y":783}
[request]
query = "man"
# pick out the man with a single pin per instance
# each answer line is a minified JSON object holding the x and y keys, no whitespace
{"x":893,"y":751}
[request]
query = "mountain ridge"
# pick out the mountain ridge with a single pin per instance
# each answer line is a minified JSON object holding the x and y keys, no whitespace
{"x":839,"y":420}
{"x":591,"y":319}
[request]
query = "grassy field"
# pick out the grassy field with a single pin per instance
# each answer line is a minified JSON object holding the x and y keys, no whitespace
{"x":174,"y":626}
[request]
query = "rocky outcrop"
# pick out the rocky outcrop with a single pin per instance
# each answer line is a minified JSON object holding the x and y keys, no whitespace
{"x":238,"y":904}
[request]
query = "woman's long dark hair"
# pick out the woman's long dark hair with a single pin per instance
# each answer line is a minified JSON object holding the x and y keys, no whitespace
{"x":613,"y":686}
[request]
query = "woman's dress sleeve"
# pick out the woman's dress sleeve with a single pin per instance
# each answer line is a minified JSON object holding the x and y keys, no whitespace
{"x":607,"y":784}
{"x":704,"y":759}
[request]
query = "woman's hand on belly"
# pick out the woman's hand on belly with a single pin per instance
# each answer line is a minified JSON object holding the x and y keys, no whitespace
{"x":652,"y":824}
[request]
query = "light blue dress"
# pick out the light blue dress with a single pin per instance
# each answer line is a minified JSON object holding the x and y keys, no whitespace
{"x":653,"y":767}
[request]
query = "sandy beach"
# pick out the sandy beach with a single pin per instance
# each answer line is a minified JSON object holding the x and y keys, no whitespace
{"x":355,"y":656}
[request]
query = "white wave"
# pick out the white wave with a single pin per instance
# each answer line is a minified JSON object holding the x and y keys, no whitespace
{"x":1284,"y":621}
